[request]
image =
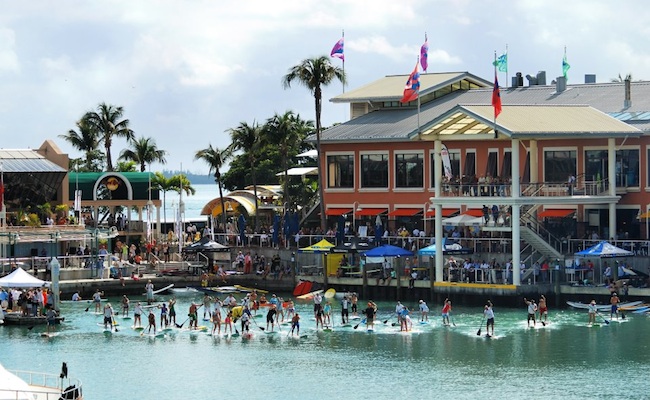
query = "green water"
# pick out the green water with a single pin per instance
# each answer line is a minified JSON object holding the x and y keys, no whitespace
{"x":565,"y":359}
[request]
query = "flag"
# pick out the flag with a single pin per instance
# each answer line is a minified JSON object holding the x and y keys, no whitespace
{"x":412,"y":88}
{"x":502,"y":62}
{"x":565,"y":67}
{"x":2,"y":192}
{"x":446,"y":162}
{"x":424,"y":54}
{"x":337,"y":50}
{"x":496,"y":97}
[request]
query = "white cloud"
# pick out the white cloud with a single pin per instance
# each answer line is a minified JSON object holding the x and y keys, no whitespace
{"x":8,"y":58}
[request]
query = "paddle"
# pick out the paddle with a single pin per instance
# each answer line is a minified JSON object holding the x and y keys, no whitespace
{"x":481,"y":327}
{"x":188,"y":318}
{"x":114,"y":324}
{"x":452,"y":320}
{"x":601,"y":316}
{"x":360,"y":322}
{"x":255,"y":322}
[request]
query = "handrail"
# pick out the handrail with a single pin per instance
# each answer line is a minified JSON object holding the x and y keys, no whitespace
{"x":40,"y":383}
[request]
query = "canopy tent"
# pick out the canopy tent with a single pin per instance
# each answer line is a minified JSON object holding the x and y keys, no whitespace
{"x":453,"y":248}
{"x":12,"y":387}
{"x":321,"y":247}
{"x":463,"y":220}
{"x":604,"y":249}
{"x":388,"y":250}
{"x":20,"y":278}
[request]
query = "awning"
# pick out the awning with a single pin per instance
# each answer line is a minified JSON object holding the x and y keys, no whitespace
{"x":404,"y":212}
{"x":645,"y":215}
{"x":300,"y":171}
{"x":370,"y":212}
{"x":474,"y":212}
{"x":555,"y":213}
{"x":446,"y":212}
{"x":338,"y":211}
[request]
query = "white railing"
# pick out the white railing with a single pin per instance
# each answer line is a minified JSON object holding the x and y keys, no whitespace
{"x":47,"y":386}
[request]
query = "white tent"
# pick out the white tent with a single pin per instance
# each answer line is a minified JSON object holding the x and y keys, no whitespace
{"x":463,"y":220}
{"x":20,"y":278}
{"x":12,"y":387}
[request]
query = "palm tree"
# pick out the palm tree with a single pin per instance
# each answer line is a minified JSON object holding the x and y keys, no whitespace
{"x":85,"y":140}
{"x":313,"y":73}
{"x":160,"y":182}
{"x":286,"y":132}
{"x":106,"y":122}
{"x":216,"y":159}
{"x":247,"y":139}
{"x":144,"y":151}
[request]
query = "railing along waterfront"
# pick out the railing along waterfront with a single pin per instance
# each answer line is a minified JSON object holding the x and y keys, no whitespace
{"x":46,"y":387}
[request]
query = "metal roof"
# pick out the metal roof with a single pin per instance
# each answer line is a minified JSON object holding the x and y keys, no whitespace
{"x":402,"y":124}
{"x":391,"y":88}
{"x":26,"y":161}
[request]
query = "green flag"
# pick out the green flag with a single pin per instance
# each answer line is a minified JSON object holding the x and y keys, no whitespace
{"x":502,"y":62}
{"x":565,"y":67}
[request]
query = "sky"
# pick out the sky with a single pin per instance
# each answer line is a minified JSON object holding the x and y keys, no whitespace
{"x":187,"y":71}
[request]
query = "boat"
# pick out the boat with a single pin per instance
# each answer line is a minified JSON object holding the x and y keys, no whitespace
{"x":602,"y":307}
{"x":30,"y":385}
{"x":17,"y":318}
{"x":635,"y":307}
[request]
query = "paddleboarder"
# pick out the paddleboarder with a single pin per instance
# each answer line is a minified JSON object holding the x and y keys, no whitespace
{"x":163,"y":315}
{"x":51,"y":319}
{"x":172,"y":311}
{"x":207,"y":303}
{"x":193,"y":316}
{"x":532,"y":311}
{"x":446,"y":309}
{"x":488,"y":312}
{"x":318,"y":299}
{"x":614,"y":300}
{"x":152,"y":322}
{"x":270,"y":317}
{"x":97,"y":298}
{"x":216,"y":321}
{"x":543,"y":309}
{"x":424,"y":311}
{"x":295,"y":324}
{"x":591,"y":310}
{"x":327,"y":313}
{"x":108,"y":316}
{"x":125,"y":306}
{"x":345,"y":317}
{"x":370,"y":312}
{"x":137,"y":315}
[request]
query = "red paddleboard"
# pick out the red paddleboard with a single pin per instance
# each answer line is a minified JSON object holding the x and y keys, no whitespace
{"x":302,"y":288}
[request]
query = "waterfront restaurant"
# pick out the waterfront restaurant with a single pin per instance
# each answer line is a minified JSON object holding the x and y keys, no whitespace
{"x":561,"y":161}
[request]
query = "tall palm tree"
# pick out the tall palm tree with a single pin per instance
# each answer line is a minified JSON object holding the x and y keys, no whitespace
{"x":246,"y":138}
{"x":86,"y":140}
{"x":285,"y":131}
{"x":216,"y":159}
{"x":143,"y":151}
{"x":160,"y":182}
{"x":314,"y":73}
{"x":106,"y":122}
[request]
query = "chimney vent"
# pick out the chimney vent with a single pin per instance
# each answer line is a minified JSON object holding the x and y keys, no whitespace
{"x":560,"y":84}
{"x":590,"y":78}
{"x":532,"y":81}
{"x":628,"y":94}
{"x":541,"y":78}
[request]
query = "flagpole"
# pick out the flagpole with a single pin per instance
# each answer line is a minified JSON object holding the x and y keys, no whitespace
{"x":506,"y":65}
{"x":494,"y":121}
{"x":416,"y":65}
{"x":3,"y":211}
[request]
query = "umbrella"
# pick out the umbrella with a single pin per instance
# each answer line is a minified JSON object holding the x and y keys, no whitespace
{"x":323,"y":246}
{"x":604,"y":249}
{"x":463,"y":220}
{"x":388,"y":250}
{"x":241,"y":224}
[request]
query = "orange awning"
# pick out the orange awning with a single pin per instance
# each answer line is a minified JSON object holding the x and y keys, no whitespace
{"x":338,"y":211}
{"x":474,"y":212}
{"x":645,"y":215}
{"x":555,"y":213}
{"x":446,"y":212}
{"x":370,"y":212}
{"x":404,"y":212}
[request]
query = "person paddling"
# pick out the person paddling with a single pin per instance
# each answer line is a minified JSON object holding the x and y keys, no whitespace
{"x":137,"y":315}
{"x":532,"y":310}
{"x":97,"y":298}
{"x":295,"y":324}
{"x":543,"y":310}
{"x":488,"y":312}
{"x":446,"y":309}
{"x":424,"y":311}
{"x":108,"y":316}
{"x":125,"y":306}
{"x":152,"y":322}
{"x":614,"y":300}
{"x":591,"y":310}
{"x":270,"y":317}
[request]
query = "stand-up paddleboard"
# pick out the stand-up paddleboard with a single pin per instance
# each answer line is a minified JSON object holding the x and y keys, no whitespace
{"x":137,"y":328}
{"x":49,"y":335}
{"x":330,"y":293}
{"x":249,"y":289}
{"x":310,"y":295}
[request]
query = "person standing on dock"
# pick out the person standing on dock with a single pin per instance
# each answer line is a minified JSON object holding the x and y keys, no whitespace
{"x":543,"y":310}
{"x":532,"y":311}
{"x":614,"y":300}
{"x":488,"y":312}
{"x":137,"y":315}
{"x":149,"y":288}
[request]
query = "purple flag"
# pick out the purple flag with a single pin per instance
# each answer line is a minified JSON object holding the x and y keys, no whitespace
{"x":424,"y":55}
{"x":337,"y":50}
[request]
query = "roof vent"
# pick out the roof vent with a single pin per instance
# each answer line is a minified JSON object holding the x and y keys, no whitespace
{"x":517,"y":80}
{"x":560,"y":84}
{"x":541,"y":78}
{"x":590,"y":78}
{"x":532,"y":80}
{"x":628,"y":93}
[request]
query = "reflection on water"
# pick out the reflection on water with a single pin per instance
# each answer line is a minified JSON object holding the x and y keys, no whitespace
{"x":434,"y":361}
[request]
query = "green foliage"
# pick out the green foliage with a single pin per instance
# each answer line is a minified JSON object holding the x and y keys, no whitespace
{"x":126,"y":166}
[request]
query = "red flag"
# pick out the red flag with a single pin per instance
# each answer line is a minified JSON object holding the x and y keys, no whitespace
{"x":496,"y":97}
{"x":412,"y":88}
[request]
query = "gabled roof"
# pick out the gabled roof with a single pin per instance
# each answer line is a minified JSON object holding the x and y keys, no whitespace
{"x":391,"y":88}
{"x":402,"y":124}
{"x":526,"y":121}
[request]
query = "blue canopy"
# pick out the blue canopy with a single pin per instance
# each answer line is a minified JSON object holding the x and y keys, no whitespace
{"x":603,"y":250}
{"x":388,"y":250}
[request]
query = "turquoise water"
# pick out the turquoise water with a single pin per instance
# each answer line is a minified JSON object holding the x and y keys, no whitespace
{"x":565,"y":359}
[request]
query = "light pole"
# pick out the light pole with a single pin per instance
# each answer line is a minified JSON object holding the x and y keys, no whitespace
{"x":426,"y":209}
{"x":355,"y":208}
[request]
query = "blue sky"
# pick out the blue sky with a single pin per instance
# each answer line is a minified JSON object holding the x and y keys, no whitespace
{"x":186,"y":71}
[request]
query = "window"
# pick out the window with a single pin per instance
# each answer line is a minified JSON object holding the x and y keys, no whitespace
{"x":595,"y":165}
{"x":470,"y":164}
{"x":340,"y":171}
{"x":627,"y":168}
{"x":491,"y":167}
{"x":506,"y":167}
{"x":409,"y":170}
{"x":559,"y":165}
{"x":454,"y":159}
{"x":374,"y":170}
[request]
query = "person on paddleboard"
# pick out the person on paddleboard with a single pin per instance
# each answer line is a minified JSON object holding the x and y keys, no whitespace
{"x":532,"y":311}
{"x":591,"y":310}
{"x":149,"y":288}
{"x":97,"y":298}
{"x":193,"y":316}
{"x":295,"y":324}
{"x":152,"y":322}
{"x":345,"y":317}
{"x":354,"y":298}
{"x":216,"y":321}
{"x":108,"y":316}
{"x":51,"y":319}
{"x":543,"y":309}
{"x":488,"y":312}
{"x":125,"y":306}
{"x":137,"y":315}
{"x":172,"y":311}
{"x":207,"y":305}
{"x":614,"y":300}
{"x":370,"y":312}
{"x":163,"y":315}
{"x":446,"y":309}
{"x":270,"y":317}
{"x":424,"y":311}
{"x":318,"y":299}
{"x":227,"y":324}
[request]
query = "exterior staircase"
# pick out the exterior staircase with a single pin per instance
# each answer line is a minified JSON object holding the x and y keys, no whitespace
{"x":539,"y":244}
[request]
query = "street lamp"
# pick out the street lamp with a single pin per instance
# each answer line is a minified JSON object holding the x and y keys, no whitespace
{"x":355,"y":207}
{"x":426,"y":209}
